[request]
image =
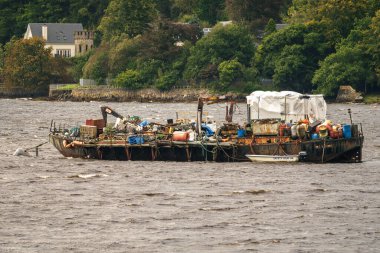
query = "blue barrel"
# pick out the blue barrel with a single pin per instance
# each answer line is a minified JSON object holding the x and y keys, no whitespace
{"x":347,"y":131}
{"x":240,"y":133}
{"x":314,"y":136}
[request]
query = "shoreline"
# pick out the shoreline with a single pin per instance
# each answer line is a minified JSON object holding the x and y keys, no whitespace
{"x":149,"y":95}
{"x":144,"y":95}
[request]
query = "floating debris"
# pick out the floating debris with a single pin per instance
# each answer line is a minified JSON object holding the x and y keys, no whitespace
{"x":21,"y":152}
{"x":86,"y":176}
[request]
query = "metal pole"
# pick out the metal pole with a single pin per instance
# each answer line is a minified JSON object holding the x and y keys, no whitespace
{"x":285,"y":108}
{"x":258,"y":108}
{"x":349,"y":112}
{"x":248,"y":113}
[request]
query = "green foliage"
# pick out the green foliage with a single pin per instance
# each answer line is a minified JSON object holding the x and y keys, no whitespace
{"x":27,"y":64}
{"x":96,"y":67}
{"x":372,"y":98}
{"x":167,"y":80}
{"x":339,"y":15}
{"x":77,"y":65}
{"x":229,"y":72}
{"x":87,"y":12}
{"x":69,"y":87}
{"x":222,"y":44}
{"x":346,"y":67}
{"x":60,"y":70}
{"x":15,"y":15}
{"x":270,"y":27}
{"x":291,"y":69}
{"x":129,"y":79}
{"x":127,"y":17}
{"x":142,"y":43}
{"x":124,"y":55}
{"x":210,"y":10}
{"x":255,"y":13}
{"x":290,"y":56}
{"x":356,"y":61}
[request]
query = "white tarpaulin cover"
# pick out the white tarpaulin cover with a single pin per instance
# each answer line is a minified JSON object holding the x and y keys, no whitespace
{"x":286,"y":105}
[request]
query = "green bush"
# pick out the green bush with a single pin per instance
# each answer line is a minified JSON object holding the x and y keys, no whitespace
{"x":167,"y":80}
{"x":129,"y":79}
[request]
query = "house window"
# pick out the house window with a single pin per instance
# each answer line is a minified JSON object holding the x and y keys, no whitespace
{"x":63,"y":52}
{"x":80,"y":48}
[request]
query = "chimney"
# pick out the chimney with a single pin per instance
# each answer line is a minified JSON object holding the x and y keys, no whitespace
{"x":44,"y":32}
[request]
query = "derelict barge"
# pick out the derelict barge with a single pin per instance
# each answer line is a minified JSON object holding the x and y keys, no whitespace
{"x":133,"y":139}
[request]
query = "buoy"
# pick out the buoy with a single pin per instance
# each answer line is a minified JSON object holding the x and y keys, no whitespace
{"x":20,"y":152}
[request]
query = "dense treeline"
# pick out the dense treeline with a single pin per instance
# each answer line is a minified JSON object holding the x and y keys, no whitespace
{"x":160,"y":43}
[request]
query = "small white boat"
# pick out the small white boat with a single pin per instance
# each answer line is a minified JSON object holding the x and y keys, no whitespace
{"x":273,"y":158}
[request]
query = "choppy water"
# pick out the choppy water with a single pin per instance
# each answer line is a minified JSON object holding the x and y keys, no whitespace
{"x":54,"y":204}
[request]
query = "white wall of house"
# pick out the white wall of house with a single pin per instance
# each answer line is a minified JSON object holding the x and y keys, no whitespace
{"x":28,"y":33}
{"x":64,"y":50}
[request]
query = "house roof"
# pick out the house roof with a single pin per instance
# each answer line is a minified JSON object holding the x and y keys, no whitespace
{"x":60,"y":33}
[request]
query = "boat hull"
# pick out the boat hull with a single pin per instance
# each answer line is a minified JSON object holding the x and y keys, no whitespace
{"x":273,"y":158}
{"x":321,"y":150}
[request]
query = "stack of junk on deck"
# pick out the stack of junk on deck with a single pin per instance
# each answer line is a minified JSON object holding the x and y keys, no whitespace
{"x":278,"y":124}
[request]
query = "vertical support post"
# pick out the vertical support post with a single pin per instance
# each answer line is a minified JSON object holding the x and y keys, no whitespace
{"x":153,"y":153}
{"x":188,"y":154}
{"x":349,"y":112}
{"x":248,"y":113}
{"x":258,"y":108}
{"x":128,"y":153}
{"x":285,"y":109}
{"x":199,"y":116}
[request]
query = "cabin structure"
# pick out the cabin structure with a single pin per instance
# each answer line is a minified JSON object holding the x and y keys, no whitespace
{"x":65,"y":39}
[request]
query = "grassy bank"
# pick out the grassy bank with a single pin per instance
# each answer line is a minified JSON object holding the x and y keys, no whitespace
{"x":372,"y":98}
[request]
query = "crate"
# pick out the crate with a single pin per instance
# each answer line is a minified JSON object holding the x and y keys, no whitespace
{"x":265,"y":126}
{"x":88,"y":131}
{"x":99,"y":123}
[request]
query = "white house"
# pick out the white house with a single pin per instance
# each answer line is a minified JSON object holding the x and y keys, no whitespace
{"x":65,"y":39}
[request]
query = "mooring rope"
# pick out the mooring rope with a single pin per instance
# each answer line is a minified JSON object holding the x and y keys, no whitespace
{"x":323,"y":151}
{"x":39,"y":145}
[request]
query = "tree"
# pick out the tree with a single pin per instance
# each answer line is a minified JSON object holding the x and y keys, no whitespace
{"x":273,"y":44}
{"x":87,"y":12}
{"x":130,"y":79}
{"x":229,"y":72}
{"x":291,"y":55}
{"x":159,"y":55}
{"x":339,"y":15}
{"x":210,"y":10}
{"x":77,"y":65}
{"x":222,"y":44}
{"x":27,"y":64}
{"x":270,"y":27}
{"x":256,"y":13}
{"x":291,"y":71}
{"x":356,"y":61}
{"x":346,"y":67}
{"x":9,"y":10}
{"x":96,"y":67}
{"x":127,"y":17}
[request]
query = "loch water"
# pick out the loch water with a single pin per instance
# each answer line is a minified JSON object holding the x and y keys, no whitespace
{"x":51,"y":203}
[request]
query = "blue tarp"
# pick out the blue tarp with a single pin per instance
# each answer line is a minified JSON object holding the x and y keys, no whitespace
{"x":208,"y":130}
{"x":135,"y":140}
